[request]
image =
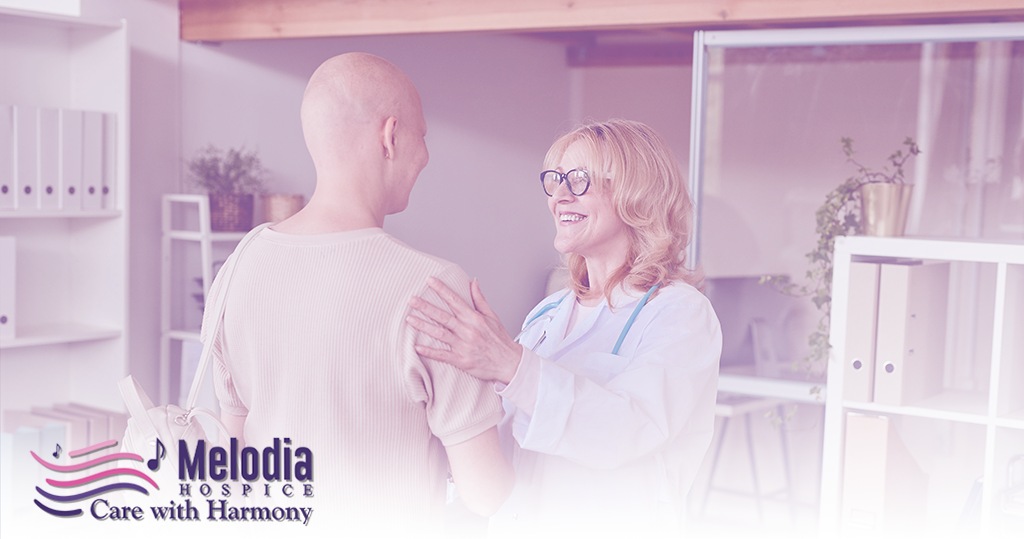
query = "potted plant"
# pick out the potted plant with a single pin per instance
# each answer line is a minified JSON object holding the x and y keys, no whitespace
{"x":849,"y":209}
{"x":231,"y":178}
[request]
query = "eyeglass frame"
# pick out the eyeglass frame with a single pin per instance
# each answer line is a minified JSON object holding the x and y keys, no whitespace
{"x":563,"y":177}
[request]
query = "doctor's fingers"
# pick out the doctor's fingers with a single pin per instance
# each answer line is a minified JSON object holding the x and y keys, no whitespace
{"x":431,"y":329}
{"x":435,"y":314}
{"x":454,"y":301}
{"x":438,"y":354}
{"x":480,"y":302}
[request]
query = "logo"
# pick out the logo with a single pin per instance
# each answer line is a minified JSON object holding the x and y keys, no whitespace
{"x":60,"y":503}
{"x":236,"y":483}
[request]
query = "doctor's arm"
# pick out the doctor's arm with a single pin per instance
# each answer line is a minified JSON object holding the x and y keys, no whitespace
{"x":670,"y":383}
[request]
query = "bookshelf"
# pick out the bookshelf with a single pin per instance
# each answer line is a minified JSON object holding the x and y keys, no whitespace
{"x":186,"y":222}
{"x":71,"y":262}
{"x":966,"y":435}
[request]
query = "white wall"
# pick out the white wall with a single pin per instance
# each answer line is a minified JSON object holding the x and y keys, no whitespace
{"x":493,"y":106}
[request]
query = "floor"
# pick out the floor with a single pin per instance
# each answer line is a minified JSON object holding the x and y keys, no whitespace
{"x":730,"y":508}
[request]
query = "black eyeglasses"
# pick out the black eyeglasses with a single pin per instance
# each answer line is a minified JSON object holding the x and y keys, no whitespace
{"x":576,"y":179}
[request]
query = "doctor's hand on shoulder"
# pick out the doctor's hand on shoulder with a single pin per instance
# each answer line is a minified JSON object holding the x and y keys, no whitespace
{"x":476,"y":338}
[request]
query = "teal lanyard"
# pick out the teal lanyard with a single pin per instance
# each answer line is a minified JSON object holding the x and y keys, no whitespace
{"x":625,"y":330}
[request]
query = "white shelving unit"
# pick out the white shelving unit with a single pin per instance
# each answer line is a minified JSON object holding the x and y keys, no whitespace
{"x":71,"y":266}
{"x":976,"y":430}
{"x":203,"y":236}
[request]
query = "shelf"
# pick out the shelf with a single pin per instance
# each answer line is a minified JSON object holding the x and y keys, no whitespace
{"x":961,"y":406}
{"x":59,"y":214}
{"x":1014,"y":420}
{"x":53,"y":19}
{"x":191,"y":235}
{"x":183,"y":335}
{"x":744,"y":380}
{"x":58,"y":334}
{"x":990,"y":251}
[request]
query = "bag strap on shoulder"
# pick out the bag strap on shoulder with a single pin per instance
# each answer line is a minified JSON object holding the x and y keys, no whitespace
{"x":217,"y":305}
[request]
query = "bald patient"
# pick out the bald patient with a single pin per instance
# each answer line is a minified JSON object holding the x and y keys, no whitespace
{"x":315,"y":348}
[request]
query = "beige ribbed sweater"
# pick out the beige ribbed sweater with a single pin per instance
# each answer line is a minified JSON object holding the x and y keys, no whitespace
{"x":315,"y":347}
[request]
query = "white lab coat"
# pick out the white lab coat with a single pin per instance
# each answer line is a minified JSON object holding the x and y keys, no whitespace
{"x":610,"y":443}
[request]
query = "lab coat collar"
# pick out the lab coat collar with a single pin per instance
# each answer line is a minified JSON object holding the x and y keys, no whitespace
{"x":623,"y":297}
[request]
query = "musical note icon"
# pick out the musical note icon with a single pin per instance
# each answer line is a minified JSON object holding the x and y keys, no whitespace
{"x":161,"y":452}
{"x":56,"y":454}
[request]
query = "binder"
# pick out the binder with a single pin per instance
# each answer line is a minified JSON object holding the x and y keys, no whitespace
{"x":884,"y":488}
{"x":71,"y":158}
{"x":910,"y":347}
{"x":6,"y":474}
{"x":92,"y":159}
{"x":24,"y":470}
{"x":7,"y":183}
{"x":98,"y":423}
{"x":49,"y":159}
{"x":26,"y":157}
{"x":77,"y":428}
{"x":51,"y":432}
{"x":861,"y":325}
{"x":108,"y":199}
{"x":8,"y":287}
{"x":117,"y":422}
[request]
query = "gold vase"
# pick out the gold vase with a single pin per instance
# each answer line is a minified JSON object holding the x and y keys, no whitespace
{"x":884,"y":207}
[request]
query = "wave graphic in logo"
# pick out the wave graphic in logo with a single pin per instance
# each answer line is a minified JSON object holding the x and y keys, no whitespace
{"x":88,"y":479}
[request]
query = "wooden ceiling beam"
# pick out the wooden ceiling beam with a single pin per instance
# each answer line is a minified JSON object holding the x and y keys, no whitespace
{"x":224,"y":20}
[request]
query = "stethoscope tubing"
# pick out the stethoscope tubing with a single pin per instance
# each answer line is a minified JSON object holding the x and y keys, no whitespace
{"x":533,"y":320}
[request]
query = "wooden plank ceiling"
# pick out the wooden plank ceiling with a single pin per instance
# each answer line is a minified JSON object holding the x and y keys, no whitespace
{"x":224,"y":20}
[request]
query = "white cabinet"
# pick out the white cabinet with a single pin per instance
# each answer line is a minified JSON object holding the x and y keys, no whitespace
{"x":70,"y":264}
{"x":949,"y":456}
{"x":186,"y":279}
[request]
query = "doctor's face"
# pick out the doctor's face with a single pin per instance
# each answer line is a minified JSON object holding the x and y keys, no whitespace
{"x":586,"y":224}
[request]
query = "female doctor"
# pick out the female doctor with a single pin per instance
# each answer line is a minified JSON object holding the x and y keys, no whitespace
{"x":609,"y":390}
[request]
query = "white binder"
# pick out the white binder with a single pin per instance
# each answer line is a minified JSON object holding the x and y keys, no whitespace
{"x":49,"y":159}
{"x":8,"y":286}
{"x":99,"y":422}
{"x":51,"y":432}
{"x":26,"y":158}
{"x":92,"y":160}
{"x":19,"y":487}
{"x":7,"y":183}
{"x":77,"y":428}
{"x":910,"y":348}
{"x":117,"y":422}
{"x":861,"y":324}
{"x":71,"y":158}
{"x":884,"y":488}
{"x":109,"y":180}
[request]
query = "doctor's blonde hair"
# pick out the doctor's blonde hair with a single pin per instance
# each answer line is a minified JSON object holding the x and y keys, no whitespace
{"x":649,"y":195}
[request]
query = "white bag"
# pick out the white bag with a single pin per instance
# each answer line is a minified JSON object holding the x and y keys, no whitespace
{"x":154,"y":431}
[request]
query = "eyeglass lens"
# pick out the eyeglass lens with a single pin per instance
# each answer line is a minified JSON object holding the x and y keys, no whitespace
{"x":578,"y":181}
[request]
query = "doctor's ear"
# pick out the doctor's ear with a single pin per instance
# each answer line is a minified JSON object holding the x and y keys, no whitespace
{"x":390,"y":127}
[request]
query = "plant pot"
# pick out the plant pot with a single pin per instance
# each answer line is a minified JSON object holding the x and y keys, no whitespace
{"x":230,"y":212}
{"x":884,"y":207}
{"x":278,"y":207}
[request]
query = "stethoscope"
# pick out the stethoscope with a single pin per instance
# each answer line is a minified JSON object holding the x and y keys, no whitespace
{"x":536,"y":318}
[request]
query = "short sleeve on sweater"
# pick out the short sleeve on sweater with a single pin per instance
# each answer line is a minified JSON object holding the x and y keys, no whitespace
{"x":458,"y":405}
